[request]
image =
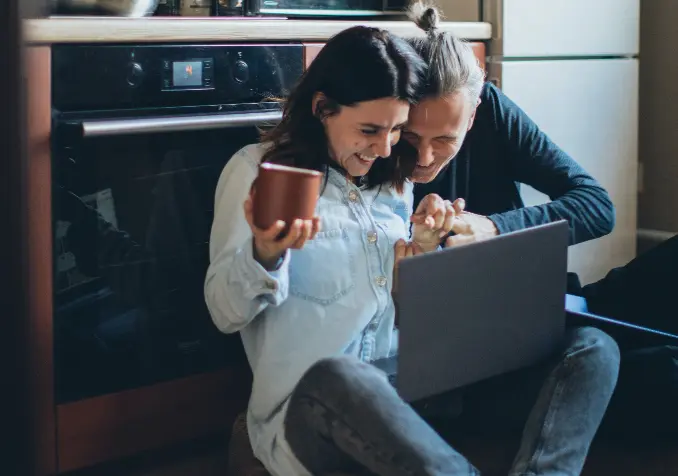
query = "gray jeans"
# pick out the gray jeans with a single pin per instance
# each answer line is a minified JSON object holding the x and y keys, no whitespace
{"x":344,"y":417}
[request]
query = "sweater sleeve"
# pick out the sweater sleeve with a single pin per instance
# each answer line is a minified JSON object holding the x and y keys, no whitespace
{"x":537,"y":161}
{"x":237,"y":287}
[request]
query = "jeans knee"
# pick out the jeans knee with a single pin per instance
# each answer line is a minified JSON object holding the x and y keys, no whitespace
{"x":595,"y":351}
{"x":335,"y":377}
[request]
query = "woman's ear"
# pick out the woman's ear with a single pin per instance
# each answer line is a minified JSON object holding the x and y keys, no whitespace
{"x":318,"y":104}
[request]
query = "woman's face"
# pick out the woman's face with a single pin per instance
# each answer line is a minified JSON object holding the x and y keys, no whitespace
{"x":360,"y":134}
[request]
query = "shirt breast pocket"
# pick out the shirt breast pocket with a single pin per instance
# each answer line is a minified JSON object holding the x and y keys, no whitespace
{"x":394,"y":223}
{"x":323,"y":271}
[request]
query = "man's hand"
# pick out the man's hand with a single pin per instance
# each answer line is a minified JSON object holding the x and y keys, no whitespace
{"x":470,"y":227}
{"x":433,"y":219}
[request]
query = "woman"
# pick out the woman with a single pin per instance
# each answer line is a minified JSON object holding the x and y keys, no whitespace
{"x":317,"y":294}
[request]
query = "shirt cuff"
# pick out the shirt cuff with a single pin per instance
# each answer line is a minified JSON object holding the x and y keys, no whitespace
{"x":504,"y":223}
{"x":270,"y":285}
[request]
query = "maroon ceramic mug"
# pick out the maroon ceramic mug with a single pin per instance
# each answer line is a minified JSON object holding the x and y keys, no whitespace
{"x":284,"y":193}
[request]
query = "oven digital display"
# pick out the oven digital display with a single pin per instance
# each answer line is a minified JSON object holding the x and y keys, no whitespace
{"x":187,"y":73}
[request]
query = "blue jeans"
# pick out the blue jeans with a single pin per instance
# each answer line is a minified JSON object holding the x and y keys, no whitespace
{"x":344,"y":417}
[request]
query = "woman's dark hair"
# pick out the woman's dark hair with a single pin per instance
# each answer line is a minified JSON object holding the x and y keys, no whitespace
{"x":452,"y":66}
{"x":359,"y":64}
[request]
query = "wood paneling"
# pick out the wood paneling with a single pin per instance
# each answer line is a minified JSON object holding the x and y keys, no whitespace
{"x":479,"y":49}
{"x":116,"y":425}
{"x":311,"y":50}
{"x":39,"y":243}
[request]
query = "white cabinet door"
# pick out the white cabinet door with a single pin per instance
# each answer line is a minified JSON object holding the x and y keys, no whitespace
{"x":590,"y":109}
{"x":539,"y":28}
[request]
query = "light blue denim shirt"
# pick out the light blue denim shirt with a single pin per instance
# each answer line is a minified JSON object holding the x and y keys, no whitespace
{"x":330,"y":298}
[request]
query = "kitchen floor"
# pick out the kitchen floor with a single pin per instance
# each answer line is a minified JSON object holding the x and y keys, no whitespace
{"x":208,"y":458}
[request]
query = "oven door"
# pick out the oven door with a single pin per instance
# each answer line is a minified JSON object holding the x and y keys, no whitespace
{"x":133,"y":202}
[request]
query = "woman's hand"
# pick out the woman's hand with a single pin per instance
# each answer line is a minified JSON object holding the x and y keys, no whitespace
{"x":269,"y":246}
{"x":403,"y":250}
{"x":433,"y":220}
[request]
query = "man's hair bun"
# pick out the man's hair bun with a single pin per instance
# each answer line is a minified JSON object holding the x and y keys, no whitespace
{"x":424,"y":16}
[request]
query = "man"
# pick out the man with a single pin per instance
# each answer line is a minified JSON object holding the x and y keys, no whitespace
{"x":474,"y":145}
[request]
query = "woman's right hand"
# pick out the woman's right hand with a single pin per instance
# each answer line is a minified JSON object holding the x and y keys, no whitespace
{"x":269,"y":247}
{"x":403,"y":249}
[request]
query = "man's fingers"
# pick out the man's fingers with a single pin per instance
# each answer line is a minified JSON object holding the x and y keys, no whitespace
{"x":448,"y":223}
{"x":459,"y":205}
{"x":439,"y":218}
{"x":457,"y":240}
{"x":460,"y":226}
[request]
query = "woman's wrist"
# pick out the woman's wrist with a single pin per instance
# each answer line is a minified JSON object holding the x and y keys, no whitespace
{"x":269,"y":263}
{"x":427,"y":246}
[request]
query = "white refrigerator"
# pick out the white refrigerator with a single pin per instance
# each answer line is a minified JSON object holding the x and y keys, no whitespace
{"x":572,"y":65}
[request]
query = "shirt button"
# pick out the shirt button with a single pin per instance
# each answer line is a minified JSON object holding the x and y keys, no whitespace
{"x":372,"y":237}
{"x":381,"y":281}
{"x":353,"y":195}
{"x":271,"y":285}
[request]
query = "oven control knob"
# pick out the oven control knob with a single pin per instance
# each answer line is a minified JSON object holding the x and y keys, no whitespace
{"x":135,"y":74}
{"x":241,"y":71}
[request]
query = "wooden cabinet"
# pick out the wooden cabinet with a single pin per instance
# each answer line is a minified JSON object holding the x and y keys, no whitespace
{"x":311,"y":50}
{"x":39,"y":243}
{"x":480,"y":50}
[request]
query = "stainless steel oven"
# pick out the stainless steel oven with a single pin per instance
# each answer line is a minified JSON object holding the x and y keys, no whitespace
{"x":140,"y":136}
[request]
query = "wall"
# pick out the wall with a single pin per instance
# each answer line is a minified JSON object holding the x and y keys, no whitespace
{"x":658,"y":133}
{"x":460,"y":10}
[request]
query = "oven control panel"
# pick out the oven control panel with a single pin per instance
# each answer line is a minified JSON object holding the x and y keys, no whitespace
{"x":102,"y":77}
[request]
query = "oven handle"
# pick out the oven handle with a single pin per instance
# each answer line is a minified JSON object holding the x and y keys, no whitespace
{"x":147,"y":125}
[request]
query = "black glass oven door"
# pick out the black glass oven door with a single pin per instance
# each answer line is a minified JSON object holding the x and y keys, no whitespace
{"x":133,"y":203}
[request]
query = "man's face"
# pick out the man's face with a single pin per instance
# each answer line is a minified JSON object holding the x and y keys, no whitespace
{"x":436,"y":128}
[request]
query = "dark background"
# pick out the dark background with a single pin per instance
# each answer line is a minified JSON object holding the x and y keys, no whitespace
{"x":14,"y":415}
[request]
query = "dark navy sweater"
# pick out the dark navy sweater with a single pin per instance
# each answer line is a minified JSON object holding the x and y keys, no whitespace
{"x":504,"y":148}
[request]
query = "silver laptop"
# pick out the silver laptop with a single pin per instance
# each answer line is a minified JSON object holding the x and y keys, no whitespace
{"x":479,"y":310}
